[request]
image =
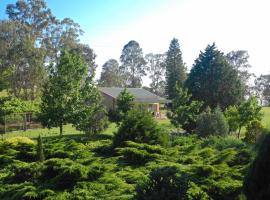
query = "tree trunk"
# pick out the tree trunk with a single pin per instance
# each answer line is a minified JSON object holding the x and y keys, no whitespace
{"x":238,"y":135}
{"x":61,"y":129}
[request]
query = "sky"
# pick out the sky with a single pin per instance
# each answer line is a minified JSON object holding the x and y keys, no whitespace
{"x":110,"y":24}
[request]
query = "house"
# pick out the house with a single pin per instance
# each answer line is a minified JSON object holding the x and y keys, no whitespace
{"x":141,"y":96}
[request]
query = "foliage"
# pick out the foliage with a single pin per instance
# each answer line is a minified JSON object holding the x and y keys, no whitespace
{"x":253,"y":131}
{"x":262,"y":89}
{"x":40,"y":153}
{"x":111,"y":75}
{"x":175,"y":69}
{"x":184,"y":111}
{"x":139,"y":126}
{"x":156,"y":70}
{"x":214,"y":81}
{"x":78,"y":167}
{"x":124,"y":103}
{"x":258,"y":176}
{"x":232,"y":117}
{"x":239,"y":60}
{"x":31,"y":37}
{"x":212,"y":123}
{"x":62,"y":89}
{"x":133,"y":65}
{"x":163,"y":183}
{"x":89,"y":114}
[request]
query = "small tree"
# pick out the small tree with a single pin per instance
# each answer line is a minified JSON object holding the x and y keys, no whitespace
{"x":184,"y":111}
{"x":254,"y":130}
{"x":40,"y":153}
{"x":61,"y":90}
{"x":124,"y":104}
{"x":257,"y":181}
{"x":232,"y":116}
{"x":139,"y":126}
{"x":249,"y":111}
{"x":244,"y":114}
{"x":89,"y":114}
{"x":212,"y":123}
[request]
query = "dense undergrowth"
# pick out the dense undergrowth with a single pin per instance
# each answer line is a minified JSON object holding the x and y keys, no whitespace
{"x":76,"y":168}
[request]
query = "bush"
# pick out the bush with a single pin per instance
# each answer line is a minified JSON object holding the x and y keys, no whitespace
{"x":64,"y":173}
{"x":212,"y":123}
{"x":254,"y":130}
{"x":26,"y":172}
{"x":163,"y":183}
{"x":140,"y":127}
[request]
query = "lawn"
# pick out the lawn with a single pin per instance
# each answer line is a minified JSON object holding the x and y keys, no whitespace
{"x":70,"y":130}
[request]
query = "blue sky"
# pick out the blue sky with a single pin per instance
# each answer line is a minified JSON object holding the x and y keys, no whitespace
{"x":110,"y":24}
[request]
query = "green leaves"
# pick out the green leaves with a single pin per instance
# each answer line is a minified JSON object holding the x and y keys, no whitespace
{"x":184,"y":111}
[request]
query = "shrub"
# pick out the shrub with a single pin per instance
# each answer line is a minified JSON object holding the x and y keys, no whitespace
{"x":257,"y":181}
{"x":212,"y":123}
{"x":63,"y":173}
{"x":163,"y":183}
{"x":254,"y":130}
{"x":24,"y":172}
{"x":140,"y":127}
{"x":135,"y":156}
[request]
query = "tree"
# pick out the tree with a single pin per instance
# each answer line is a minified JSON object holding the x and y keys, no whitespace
{"x":262,"y":89}
{"x":213,"y":80}
{"x":62,"y":89}
{"x":184,"y":111}
{"x":242,"y":115}
{"x":140,"y":127}
{"x":248,"y":112}
{"x":133,"y":64}
{"x":257,"y":180}
{"x":156,"y":68}
{"x":31,"y":38}
{"x":89,"y":114}
{"x":175,"y":69}
{"x":111,"y":75}
{"x":40,"y":153}
{"x":239,"y":60}
{"x":232,"y":116}
{"x":212,"y":123}
{"x":124,"y":103}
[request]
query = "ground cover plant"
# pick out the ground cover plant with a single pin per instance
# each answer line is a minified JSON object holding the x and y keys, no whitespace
{"x":79,"y":168}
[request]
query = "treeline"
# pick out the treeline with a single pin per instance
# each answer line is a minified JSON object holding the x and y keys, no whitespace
{"x":32,"y":38}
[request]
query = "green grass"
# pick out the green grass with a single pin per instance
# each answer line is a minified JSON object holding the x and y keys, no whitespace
{"x":70,"y":130}
{"x":266,"y":117}
{"x":3,"y":93}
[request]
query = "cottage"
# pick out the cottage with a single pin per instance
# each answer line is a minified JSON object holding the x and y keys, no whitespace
{"x":141,"y":96}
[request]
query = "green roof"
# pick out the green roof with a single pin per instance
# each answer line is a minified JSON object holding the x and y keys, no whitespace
{"x":141,"y":95}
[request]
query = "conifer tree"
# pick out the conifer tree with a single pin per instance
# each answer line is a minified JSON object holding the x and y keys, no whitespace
{"x":175,"y":69}
{"x":40,"y":153}
{"x":214,"y":81}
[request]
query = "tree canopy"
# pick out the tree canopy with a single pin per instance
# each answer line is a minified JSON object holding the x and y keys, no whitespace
{"x":214,"y":81}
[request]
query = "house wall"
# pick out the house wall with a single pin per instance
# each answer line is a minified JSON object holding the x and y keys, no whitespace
{"x":108,"y":101}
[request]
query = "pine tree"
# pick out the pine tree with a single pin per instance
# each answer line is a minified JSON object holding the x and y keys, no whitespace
{"x":213,"y":80}
{"x":40,"y":153}
{"x":175,"y":69}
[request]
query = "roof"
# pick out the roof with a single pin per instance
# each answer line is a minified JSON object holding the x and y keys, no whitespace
{"x":141,"y":95}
